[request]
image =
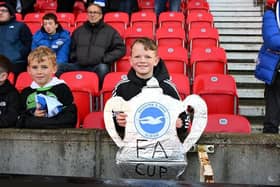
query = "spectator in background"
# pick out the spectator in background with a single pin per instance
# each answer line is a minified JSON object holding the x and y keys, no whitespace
{"x":22,"y":6}
{"x":15,"y":38}
{"x":271,"y":41}
{"x":53,"y":36}
{"x":48,"y":102}
{"x":160,"y":6}
{"x":95,"y":46}
{"x":9,"y":96}
{"x":65,"y":5}
{"x":128,"y":6}
{"x":102,"y":3}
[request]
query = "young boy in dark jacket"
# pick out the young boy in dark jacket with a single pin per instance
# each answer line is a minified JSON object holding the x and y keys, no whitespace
{"x":9,"y":96}
{"x":146,"y":64}
{"x":48,"y":102}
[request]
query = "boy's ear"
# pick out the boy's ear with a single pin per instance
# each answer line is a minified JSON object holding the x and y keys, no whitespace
{"x":3,"y":76}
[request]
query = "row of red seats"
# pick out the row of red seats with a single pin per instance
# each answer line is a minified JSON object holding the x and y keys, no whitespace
{"x":213,"y":88}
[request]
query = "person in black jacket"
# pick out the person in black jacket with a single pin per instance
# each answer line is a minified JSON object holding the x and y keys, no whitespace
{"x":146,"y":64}
{"x":48,"y":102}
{"x":95,"y":46}
{"x":9,"y":96}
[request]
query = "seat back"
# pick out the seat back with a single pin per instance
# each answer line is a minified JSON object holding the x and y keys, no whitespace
{"x":175,"y":58}
{"x":23,"y":80}
{"x":219,"y":92}
{"x":122,"y":65}
{"x":11,"y":78}
{"x":84,"y":87}
{"x":66,"y":19}
{"x":208,"y":60}
{"x":33,"y":21}
{"x":199,"y":19}
{"x":203,"y":37}
{"x":195,"y":6}
{"x":49,"y":6}
{"x":171,"y":36}
{"x":227,"y":123}
{"x":109,"y":83}
{"x":182,"y":84}
{"x":94,"y":120}
{"x":147,"y":5}
{"x":80,"y":19}
{"x":144,"y":19}
{"x":118,"y":20}
{"x":133,"y":33}
{"x":171,"y":19}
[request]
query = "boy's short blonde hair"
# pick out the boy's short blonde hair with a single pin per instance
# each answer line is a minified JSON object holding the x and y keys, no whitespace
{"x":40,"y":52}
{"x":148,"y":44}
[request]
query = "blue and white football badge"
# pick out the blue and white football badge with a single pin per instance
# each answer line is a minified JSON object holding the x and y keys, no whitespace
{"x":152,"y":120}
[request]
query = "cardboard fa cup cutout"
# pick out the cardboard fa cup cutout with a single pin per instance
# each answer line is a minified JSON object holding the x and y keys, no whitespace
{"x":150,"y":147}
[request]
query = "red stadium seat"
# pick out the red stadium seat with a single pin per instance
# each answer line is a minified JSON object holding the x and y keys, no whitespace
{"x":122,"y":65}
{"x":175,"y":58}
{"x":78,"y":8}
{"x":133,"y":33}
{"x":182,"y":84}
{"x":219,"y":92}
{"x":33,"y":21}
{"x":19,"y":17}
{"x":23,"y":80}
{"x":171,"y":19}
{"x":208,"y":60}
{"x":118,"y":20}
{"x":203,"y":37}
{"x":109,"y":83}
{"x":171,"y":36}
{"x":66,"y":19}
{"x":80,"y":19}
{"x":144,"y":19}
{"x":84,"y":86}
{"x":147,"y":5}
{"x":199,"y":19}
{"x":11,"y":78}
{"x":49,"y":6}
{"x":227,"y":123}
{"x":197,"y":6}
{"x":94,"y":120}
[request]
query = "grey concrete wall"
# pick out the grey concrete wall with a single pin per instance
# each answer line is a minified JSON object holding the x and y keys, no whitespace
{"x":239,"y":159}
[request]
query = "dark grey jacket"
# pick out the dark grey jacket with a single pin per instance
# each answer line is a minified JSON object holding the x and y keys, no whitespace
{"x":94,"y":44}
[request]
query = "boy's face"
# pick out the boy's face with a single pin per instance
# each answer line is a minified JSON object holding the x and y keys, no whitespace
{"x":50,"y":26}
{"x":143,"y":61}
{"x":94,"y":14}
{"x":4,"y":14}
{"x":41,"y":72}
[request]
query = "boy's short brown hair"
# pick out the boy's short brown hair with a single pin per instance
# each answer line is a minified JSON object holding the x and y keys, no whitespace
{"x":5,"y":64}
{"x":148,"y":43}
{"x":40,"y":52}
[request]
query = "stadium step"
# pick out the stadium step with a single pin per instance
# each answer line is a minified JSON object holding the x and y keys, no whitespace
{"x":239,"y":24}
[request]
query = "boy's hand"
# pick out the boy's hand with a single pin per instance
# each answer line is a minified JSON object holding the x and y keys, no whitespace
{"x":38,"y":112}
{"x":121,"y":119}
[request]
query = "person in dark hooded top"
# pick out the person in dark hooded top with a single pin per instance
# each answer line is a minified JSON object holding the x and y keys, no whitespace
{"x":146,"y":64}
{"x":9,"y":96}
